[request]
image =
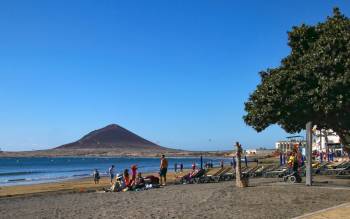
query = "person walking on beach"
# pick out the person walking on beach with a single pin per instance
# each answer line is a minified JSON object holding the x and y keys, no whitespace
{"x":181,"y":167}
{"x":96,"y":176}
{"x":175,"y":167}
{"x":111,"y":172}
{"x":222,"y":164}
{"x":163,"y":170}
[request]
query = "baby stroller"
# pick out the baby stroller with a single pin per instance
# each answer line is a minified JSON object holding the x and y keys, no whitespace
{"x":293,"y":177}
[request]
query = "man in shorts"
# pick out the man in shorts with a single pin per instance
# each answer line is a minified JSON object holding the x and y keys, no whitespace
{"x":163,"y":170}
{"x":111,"y":172}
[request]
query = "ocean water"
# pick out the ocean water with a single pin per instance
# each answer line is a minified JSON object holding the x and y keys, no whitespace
{"x":21,"y":171}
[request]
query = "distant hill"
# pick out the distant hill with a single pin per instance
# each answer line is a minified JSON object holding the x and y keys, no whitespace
{"x":112,"y":137}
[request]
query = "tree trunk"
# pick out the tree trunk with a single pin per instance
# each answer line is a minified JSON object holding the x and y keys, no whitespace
{"x":240,"y":181}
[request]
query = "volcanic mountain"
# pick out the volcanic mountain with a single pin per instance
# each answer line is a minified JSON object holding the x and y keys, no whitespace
{"x":112,"y":137}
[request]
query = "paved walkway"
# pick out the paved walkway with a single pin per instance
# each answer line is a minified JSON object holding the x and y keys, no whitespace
{"x":340,"y":211}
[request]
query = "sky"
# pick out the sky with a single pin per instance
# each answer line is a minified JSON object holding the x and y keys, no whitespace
{"x":174,"y":72}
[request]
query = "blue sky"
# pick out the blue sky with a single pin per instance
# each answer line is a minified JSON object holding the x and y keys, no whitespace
{"x":174,"y":72}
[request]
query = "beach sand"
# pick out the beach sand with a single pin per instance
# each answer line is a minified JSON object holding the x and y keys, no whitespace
{"x":69,"y":186}
{"x":263,"y":199}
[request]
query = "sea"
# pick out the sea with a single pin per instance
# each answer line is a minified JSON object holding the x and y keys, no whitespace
{"x":35,"y":170}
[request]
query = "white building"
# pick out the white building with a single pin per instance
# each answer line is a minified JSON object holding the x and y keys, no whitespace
{"x":289,"y":145}
{"x":320,"y":142}
{"x":324,"y":138}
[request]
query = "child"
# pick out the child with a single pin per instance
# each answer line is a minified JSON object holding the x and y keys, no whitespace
{"x":97,"y":177}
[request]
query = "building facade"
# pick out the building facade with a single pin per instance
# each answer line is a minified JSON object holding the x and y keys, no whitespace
{"x":325,"y":138}
{"x":289,"y":145}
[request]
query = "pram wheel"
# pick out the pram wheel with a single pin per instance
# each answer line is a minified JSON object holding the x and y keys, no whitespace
{"x":292,"y":179}
{"x":299,"y":179}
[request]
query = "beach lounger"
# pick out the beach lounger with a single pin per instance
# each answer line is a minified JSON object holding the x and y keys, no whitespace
{"x":261,"y":170}
{"x":192,"y":177}
{"x":228,"y":175}
{"x":223,"y":175}
{"x":250,"y":172}
{"x":212,"y":175}
{"x":321,"y":167}
{"x":342,"y":169}
{"x":277,"y":173}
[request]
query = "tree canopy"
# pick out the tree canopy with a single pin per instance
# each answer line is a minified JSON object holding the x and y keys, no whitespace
{"x":311,"y":84}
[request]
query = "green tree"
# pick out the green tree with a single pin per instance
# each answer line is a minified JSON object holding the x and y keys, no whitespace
{"x":311,"y":84}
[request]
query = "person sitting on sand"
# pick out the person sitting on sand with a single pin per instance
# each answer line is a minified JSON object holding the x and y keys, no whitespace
{"x":96,"y":176}
{"x":139,"y":182}
{"x":127,"y":180}
{"x":117,"y":186}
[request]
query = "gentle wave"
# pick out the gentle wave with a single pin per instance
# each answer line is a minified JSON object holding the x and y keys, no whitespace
{"x":18,"y":173}
{"x":16,"y":180}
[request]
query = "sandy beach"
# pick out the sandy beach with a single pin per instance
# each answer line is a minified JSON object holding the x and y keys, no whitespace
{"x":265,"y":198}
{"x":69,"y":186}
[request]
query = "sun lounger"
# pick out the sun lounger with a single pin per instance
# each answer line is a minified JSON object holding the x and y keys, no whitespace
{"x":341,"y":169}
{"x":261,"y":170}
{"x":321,"y":167}
{"x":250,"y":172}
{"x":276,"y":173}
{"x":192,"y":177}
{"x":223,"y":175}
{"x":213,"y":175}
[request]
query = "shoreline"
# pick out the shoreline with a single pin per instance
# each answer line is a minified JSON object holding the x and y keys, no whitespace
{"x":52,"y":173}
{"x":78,"y":185}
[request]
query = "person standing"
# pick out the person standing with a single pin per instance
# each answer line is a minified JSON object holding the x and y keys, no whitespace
{"x":96,"y":176}
{"x":234,"y":163}
{"x":133,"y":173}
{"x":181,"y":167}
{"x":222,"y":164}
{"x":175,"y":167}
{"x":281,"y":159}
{"x":163,"y":170}
{"x":111,"y":173}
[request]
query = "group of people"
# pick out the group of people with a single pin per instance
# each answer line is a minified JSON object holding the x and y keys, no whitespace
{"x":124,"y":182}
{"x":178,"y":167}
{"x":208,"y":164}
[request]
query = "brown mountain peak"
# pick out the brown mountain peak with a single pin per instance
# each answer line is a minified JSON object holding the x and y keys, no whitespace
{"x":112,"y":136}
